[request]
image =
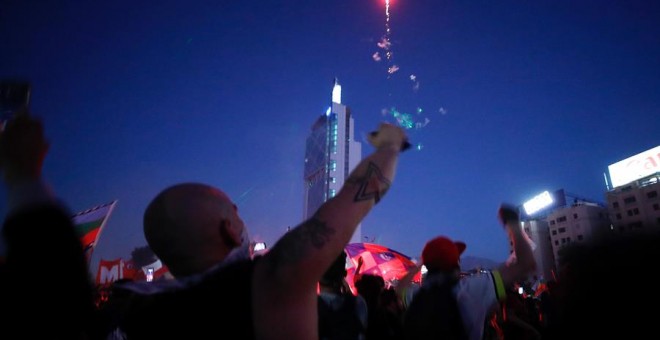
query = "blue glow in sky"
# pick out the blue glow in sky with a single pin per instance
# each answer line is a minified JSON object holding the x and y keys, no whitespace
{"x":517,"y":97}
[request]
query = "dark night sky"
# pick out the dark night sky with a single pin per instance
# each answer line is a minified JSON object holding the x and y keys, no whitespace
{"x":519,"y":96}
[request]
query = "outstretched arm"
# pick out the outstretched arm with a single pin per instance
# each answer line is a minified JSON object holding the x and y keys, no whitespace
{"x":357,"y":275}
{"x":37,"y":227}
{"x":524,"y":264}
{"x":285,"y":278}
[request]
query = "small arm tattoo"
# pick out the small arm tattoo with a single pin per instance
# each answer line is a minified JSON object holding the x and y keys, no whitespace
{"x":296,"y":243}
{"x":370,"y":184}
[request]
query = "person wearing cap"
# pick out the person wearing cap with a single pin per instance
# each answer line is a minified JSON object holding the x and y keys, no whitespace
{"x":471,"y":299}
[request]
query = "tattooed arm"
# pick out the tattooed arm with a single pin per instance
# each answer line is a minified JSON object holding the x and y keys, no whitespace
{"x":284,"y":282}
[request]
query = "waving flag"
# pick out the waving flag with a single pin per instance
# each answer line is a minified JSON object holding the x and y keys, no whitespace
{"x":378,"y":260}
{"x":90,"y":223}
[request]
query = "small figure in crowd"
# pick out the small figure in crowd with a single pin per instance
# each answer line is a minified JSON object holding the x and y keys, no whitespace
{"x":342,"y":315}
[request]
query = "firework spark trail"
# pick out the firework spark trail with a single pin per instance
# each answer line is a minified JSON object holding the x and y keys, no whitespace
{"x":387,"y":27}
{"x":386,"y":42}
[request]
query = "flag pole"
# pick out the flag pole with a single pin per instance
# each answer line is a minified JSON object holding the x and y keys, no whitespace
{"x":98,"y":235}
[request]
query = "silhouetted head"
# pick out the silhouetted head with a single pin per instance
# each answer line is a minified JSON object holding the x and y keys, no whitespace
{"x":370,"y":286}
{"x":334,"y":276}
{"x":193,"y":226}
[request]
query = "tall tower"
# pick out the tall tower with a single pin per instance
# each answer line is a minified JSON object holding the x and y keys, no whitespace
{"x":331,"y":153}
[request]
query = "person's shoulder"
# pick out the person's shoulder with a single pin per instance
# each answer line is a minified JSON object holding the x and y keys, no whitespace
{"x":478,"y":282}
{"x":478,"y":275}
{"x":336,"y":301}
{"x":359,"y":298}
{"x":328,"y":297}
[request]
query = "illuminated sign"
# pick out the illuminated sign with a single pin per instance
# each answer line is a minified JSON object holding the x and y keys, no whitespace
{"x":635,"y":167}
{"x":537,"y":203}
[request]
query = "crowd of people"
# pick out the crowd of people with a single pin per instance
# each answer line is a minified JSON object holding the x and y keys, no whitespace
{"x":296,"y":290}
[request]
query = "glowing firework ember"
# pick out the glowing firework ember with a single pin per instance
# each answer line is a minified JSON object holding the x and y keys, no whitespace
{"x":406,"y":120}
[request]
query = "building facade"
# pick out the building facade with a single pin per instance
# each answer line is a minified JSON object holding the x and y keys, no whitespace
{"x":579,"y":222}
{"x":634,"y":198}
{"x":331,"y":153}
{"x":635,"y":207}
{"x":552,"y":223}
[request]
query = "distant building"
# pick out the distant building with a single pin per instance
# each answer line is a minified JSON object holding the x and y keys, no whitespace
{"x":635,"y":207}
{"x":579,"y":222}
{"x":634,"y":201}
{"x":331,"y":153}
{"x":551,"y":224}
{"x":632,"y":206}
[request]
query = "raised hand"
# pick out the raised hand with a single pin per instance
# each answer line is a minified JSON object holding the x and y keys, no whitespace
{"x":23,"y":148}
{"x":389,"y":134}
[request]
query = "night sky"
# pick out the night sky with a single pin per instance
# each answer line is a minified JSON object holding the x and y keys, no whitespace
{"x":516,"y":97}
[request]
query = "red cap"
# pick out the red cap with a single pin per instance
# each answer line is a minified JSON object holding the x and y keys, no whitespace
{"x":443,"y":254}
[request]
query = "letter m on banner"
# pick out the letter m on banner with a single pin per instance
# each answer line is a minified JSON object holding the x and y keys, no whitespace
{"x":109,"y":271}
{"x":90,"y":223}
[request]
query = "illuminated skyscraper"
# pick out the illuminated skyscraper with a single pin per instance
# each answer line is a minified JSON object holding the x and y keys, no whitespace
{"x":331,"y":153}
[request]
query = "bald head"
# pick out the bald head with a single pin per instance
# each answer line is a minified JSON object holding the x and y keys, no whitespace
{"x":191,"y":227}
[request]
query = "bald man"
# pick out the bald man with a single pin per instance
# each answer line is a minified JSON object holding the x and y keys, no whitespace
{"x":193,"y":226}
{"x":196,"y":231}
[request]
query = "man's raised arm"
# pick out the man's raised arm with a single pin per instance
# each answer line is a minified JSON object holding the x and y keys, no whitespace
{"x":286,"y":276}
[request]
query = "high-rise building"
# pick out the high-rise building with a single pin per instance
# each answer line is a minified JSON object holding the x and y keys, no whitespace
{"x":634,"y":200}
{"x":331,"y":153}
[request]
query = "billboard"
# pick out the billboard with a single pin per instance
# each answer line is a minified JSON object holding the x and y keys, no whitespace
{"x":542,"y":203}
{"x":635,"y":167}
